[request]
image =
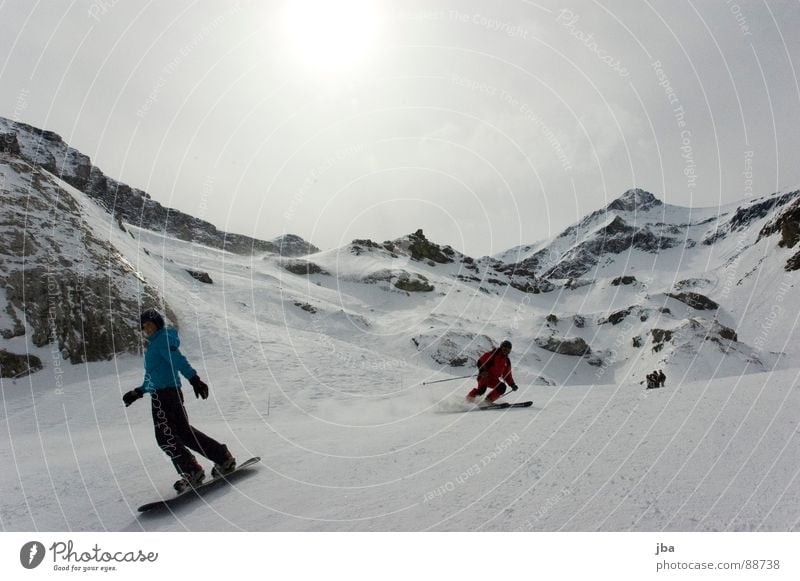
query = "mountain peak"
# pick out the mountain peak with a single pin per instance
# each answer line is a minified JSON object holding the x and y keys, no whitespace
{"x":635,"y":200}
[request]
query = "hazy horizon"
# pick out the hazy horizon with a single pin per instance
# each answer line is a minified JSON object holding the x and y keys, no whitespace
{"x":487,"y":126}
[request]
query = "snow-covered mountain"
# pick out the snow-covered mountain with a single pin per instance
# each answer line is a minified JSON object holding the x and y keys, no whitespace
{"x":48,"y":150}
{"x":67,"y":291}
{"x":316,"y":363}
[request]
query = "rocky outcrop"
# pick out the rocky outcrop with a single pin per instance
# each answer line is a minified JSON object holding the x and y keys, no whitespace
{"x":13,"y":365}
{"x":203,"y":277}
{"x":70,"y":287}
{"x":400,"y":279}
{"x":9,"y":143}
{"x":421,"y":248}
{"x":615,"y":237}
{"x":618,"y":316}
{"x":574,"y":346}
{"x":413,"y":284}
{"x":635,"y":200}
{"x":695,"y":300}
{"x":660,"y":338}
{"x":623,"y":280}
{"x":303,"y":267}
{"x":793,"y":263}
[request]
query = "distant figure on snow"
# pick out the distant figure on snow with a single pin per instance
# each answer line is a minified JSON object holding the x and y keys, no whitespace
{"x":493,"y":368}
{"x":162,"y":362}
{"x":661,"y":378}
{"x":652,"y":381}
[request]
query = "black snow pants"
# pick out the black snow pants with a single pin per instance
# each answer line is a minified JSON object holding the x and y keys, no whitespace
{"x":174,"y":434}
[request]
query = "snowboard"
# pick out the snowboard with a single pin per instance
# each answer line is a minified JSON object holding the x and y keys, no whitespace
{"x":200,"y":488}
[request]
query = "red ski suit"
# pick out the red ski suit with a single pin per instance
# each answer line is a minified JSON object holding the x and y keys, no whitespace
{"x":492,"y":374}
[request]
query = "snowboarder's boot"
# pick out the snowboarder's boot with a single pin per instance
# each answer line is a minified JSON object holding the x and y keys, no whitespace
{"x":190,"y":479}
{"x":225,"y":467}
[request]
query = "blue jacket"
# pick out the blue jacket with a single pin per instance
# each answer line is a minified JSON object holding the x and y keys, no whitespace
{"x":163,"y":361}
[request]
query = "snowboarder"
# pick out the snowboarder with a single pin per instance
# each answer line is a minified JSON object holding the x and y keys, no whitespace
{"x":162,"y":362}
{"x":493,"y":367}
{"x":661,"y":378}
{"x":651,"y":381}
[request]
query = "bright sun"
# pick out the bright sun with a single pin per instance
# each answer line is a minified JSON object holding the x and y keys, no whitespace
{"x":331,"y":35}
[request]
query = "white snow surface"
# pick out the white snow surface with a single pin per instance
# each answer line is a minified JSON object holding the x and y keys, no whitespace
{"x":318,"y":375}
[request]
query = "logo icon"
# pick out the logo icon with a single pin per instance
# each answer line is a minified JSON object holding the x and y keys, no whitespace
{"x":31,"y":554}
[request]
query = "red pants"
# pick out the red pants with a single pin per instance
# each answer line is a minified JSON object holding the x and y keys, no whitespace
{"x":498,"y":388}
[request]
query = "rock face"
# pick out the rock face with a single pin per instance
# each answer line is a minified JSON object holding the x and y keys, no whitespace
{"x":47,"y":150}
{"x":421,"y":248}
{"x":695,"y":300}
{"x":623,"y":280}
{"x":615,"y":237}
{"x":9,"y":143}
{"x":400,"y":279}
{"x":574,"y":346}
{"x":68,"y":286}
{"x":203,"y":277}
{"x":635,"y":200}
{"x":13,"y":365}
{"x":303,"y":267}
{"x":748,"y":213}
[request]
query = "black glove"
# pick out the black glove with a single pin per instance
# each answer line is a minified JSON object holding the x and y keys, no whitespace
{"x":200,"y":388}
{"x":514,"y":387}
{"x":132,"y":396}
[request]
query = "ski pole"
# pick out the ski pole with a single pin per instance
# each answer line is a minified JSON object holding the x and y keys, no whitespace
{"x":449,"y":379}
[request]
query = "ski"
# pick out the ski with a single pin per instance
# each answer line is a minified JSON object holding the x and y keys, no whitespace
{"x":202,"y":487}
{"x":505,"y":406}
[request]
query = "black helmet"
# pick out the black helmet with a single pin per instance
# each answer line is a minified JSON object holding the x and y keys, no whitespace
{"x":153,"y":316}
{"x":505,"y":343}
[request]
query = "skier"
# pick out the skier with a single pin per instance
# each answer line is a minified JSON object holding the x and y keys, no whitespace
{"x":493,"y":367}
{"x":661,"y":378}
{"x":651,"y":381}
{"x":162,"y":362}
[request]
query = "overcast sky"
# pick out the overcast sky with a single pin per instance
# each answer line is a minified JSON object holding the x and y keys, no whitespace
{"x":488,"y":124}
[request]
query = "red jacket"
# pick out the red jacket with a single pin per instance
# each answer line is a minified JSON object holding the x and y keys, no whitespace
{"x":499,"y":368}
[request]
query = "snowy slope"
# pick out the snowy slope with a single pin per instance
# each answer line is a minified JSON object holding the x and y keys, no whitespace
{"x":320,"y":375}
